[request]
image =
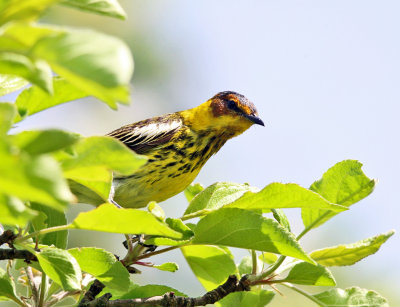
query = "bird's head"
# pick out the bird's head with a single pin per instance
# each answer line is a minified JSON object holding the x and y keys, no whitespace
{"x":228,"y":111}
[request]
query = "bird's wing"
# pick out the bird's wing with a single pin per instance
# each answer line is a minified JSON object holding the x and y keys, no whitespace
{"x":146,"y":135}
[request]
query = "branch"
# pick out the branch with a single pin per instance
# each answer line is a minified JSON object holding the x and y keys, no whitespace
{"x":90,"y":295}
{"x":169,"y":299}
{"x":17,"y":254}
{"x":7,"y":237}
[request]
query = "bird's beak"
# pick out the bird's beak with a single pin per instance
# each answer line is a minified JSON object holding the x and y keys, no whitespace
{"x":255,"y":119}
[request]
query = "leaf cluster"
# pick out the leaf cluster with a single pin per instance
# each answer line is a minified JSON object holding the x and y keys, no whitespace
{"x":39,"y":168}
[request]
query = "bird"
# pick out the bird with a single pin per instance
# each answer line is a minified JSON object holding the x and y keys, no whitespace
{"x":177,"y":145}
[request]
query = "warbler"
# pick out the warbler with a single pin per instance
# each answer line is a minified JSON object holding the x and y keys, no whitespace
{"x":177,"y":146}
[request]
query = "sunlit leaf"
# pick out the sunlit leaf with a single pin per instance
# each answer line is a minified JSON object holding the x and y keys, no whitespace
{"x":246,"y":229}
{"x":50,"y":218}
{"x":211,"y":264}
{"x":35,"y":71}
{"x":353,"y":296}
{"x":27,"y":10}
{"x":9,"y":84}
{"x":14,"y":212}
{"x":279,"y":195}
{"x":304,"y":273}
{"x":7,"y":286}
{"x":192,"y":190}
{"x":45,"y":141}
{"x":104,"y":7}
{"x":109,"y":218}
{"x":36,"y":179}
{"x":217,"y":195}
{"x":34,"y":99}
{"x":348,"y":254}
{"x":103,"y":265}
{"x":61,"y":267}
{"x":253,"y":298}
{"x":83,"y":58}
{"x":344,"y":184}
{"x":7,"y":112}
{"x":168,"y":266}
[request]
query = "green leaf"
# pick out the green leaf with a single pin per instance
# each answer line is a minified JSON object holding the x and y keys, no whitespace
{"x":7,"y":287}
{"x":304,"y":273}
{"x":109,"y":218}
{"x":246,"y":229}
{"x":343,"y":184}
{"x":279,"y":195}
{"x":160,"y":241}
{"x":156,"y":210}
{"x":36,"y":179}
{"x":14,"y":212}
{"x":45,"y":141}
{"x":102,"y":265}
{"x":36,"y":71}
{"x":61,"y":267}
{"x":91,"y":164}
{"x":217,"y":195}
{"x":9,"y":84}
{"x":33,"y":99}
{"x":168,"y":266}
{"x":149,"y":291}
{"x":349,"y":254}
{"x":104,"y":7}
{"x":246,"y":265}
{"x":83,"y":58}
{"x":281,"y":218}
{"x":20,"y":37}
{"x":105,"y":152}
{"x":26,"y":10}
{"x":253,"y":298}
{"x":178,"y":225}
{"x":192,"y":190}
{"x":50,"y":218}
{"x":353,"y":296}
{"x":268,"y":258}
{"x":7,"y":113}
{"x":211,"y":264}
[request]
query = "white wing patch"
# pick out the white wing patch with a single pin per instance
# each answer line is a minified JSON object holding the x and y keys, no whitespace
{"x":151,"y":132}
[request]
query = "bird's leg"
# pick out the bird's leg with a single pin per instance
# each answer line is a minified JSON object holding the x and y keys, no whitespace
{"x":114,"y":203}
{"x":111,"y":197}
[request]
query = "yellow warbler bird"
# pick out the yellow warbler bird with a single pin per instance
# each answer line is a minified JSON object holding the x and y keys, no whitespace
{"x":177,"y":146}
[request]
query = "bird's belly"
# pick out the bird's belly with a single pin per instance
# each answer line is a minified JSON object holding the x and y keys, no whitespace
{"x":152,"y":184}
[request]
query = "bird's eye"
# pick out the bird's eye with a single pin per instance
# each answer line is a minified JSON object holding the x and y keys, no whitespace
{"x":232,"y":105}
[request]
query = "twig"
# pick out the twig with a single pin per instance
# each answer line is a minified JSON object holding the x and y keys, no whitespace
{"x":17,"y":254}
{"x":32,"y":283}
{"x":91,"y":294}
{"x":7,"y":236}
{"x":169,"y":299}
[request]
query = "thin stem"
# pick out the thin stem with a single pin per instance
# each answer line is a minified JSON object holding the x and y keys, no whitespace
{"x":148,"y":255}
{"x":42,"y":232}
{"x":311,"y":226}
{"x":254,"y":260}
{"x":306,"y":294}
{"x":31,"y":280}
{"x":272,"y":268}
{"x":43,"y":290}
{"x":18,"y":301}
{"x":129,"y":243}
